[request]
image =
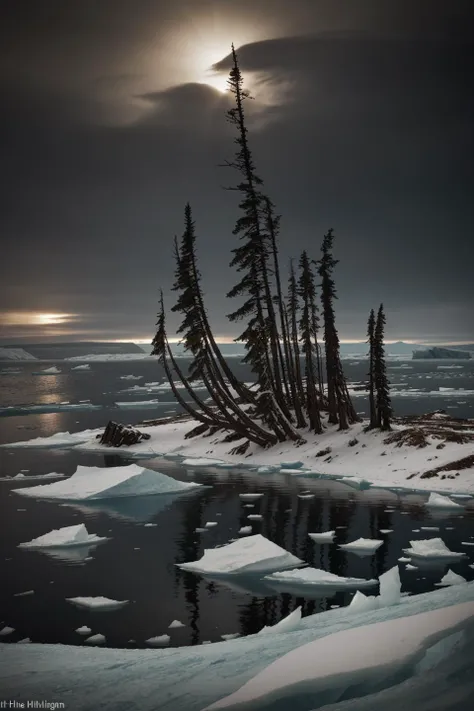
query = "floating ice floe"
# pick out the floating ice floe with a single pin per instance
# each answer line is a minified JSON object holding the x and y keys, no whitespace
{"x":245,"y":530}
{"x":5,"y":631}
{"x":66,"y":536}
{"x":254,"y":517}
{"x":254,"y":554}
{"x":100,"y":603}
{"x":54,"y":370}
{"x":17,"y":410}
{"x":200,"y":530}
{"x":89,"y":483}
{"x":83,"y":630}
{"x":138,"y":403}
{"x":467,"y":543}
{"x":85,"y":366}
{"x":201,"y":462}
{"x":95,"y":639}
{"x":404,"y":560}
{"x":211,"y":524}
{"x":175,"y":625}
{"x":306,"y":496}
{"x":24,"y":594}
{"x":431,"y":548}
{"x":439,"y":501}
{"x":160,"y":641}
{"x":429,"y":528}
{"x":250,"y":497}
{"x":318,"y":578}
{"x":287,"y":624}
{"x":386,"y":530}
{"x":411,"y":567}
{"x":323,"y":537}
{"x":451,"y":579}
{"x":131,"y":377}
{"x":363,"y":546}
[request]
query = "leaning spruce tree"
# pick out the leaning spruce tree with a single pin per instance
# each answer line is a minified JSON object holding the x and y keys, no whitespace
{"x":308,"y":338}
{"x":382,"y":385}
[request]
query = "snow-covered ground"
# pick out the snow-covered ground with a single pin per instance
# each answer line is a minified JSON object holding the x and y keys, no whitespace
{"x":366,"y":457}
{"x":415,"y":654}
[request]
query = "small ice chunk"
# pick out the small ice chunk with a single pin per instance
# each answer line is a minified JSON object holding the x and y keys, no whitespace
{"x":390,"y":587}
{"x":150,"y":525}
{"x":249,"y":506}
{"x":206,"y":641}
{"x":175,"y":624}
{"x":211,"y":524}
{"x":429,"y":528}
{"x":254,"y":517}
{"x":245,"y":530}
{"x":451,"y":579}
{"x":201,"y":462}
{"x":431,"y":548}
{"x":25,"y":640}
{"x":95,"y":639}
{"x":441,"y":502}
{"x":83,"y":630}
{"x":386,"y":530}
{"x":404,"y":560}
{"x":306,"y":496}
{"x":228,"y":637}
{"x":97,"y":603}
{"x":318,"y":578}
{"x":6,"y":631}
{"x":250,"y":497}
{"x":323,"y":537}
{"x":415,"y":530}
{"x":467,"y":543}
{"x":363,"y":545}
{"x":287,"y":624}
{"x":22,"y":594}
{"x":200,"y":530}
{"x":411,"y":567}
{"x":160,"y":641}
{"x":363,"y":603}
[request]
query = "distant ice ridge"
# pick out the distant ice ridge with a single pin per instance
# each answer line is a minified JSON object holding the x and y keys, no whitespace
{"x":254,"y":554}
{"x":90,"y":483}
{"x":102,"y":357}
{"x":66,"y":536}
{"x":59,"y":440}
{"x":15,"y":354}
{"x":14,"y":410}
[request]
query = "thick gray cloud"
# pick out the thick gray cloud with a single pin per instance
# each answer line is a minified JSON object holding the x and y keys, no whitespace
{"x":363,"y":124}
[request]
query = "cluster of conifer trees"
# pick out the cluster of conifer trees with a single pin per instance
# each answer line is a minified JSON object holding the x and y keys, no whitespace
{"x":280,"y":330}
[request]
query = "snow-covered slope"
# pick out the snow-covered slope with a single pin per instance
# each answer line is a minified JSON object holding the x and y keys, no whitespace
{"x":15,"y":354}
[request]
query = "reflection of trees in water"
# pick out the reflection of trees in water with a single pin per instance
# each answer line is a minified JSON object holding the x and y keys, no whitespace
{"x":340,"y":516}
{"x":188,"y":548}
{"x":117,"y":460}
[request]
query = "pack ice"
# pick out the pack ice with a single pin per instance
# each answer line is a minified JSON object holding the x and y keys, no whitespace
{"x":66,"y":536}
{"x":254,"y":554}
{"x":107,"y":483}
{"x":319,"y":578}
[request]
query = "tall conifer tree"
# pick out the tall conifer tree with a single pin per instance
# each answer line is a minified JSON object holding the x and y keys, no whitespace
{"x":308,"y":337}
{"x":371,"y":342}
{"x":382,"y":385}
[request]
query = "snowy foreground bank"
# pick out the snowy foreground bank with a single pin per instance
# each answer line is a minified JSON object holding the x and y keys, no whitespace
{"x":420,"y":456}
{"x":415,"y":654}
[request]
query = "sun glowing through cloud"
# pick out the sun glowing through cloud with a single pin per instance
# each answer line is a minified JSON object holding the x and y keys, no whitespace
{"x":35,"y":318}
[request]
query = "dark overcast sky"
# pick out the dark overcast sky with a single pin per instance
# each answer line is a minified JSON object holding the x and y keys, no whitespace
{"x":362,"y":121}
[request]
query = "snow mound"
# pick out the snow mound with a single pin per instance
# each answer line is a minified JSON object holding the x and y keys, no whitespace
{"x":95,"y":639}
{"x":97,"y":603}
{"x":254,"y":554}
{"x":66,"y":536}
{"x":86,"y":366}
{"x":250,"y":497}
{"x":83,"y":630}
{"x":160,"y":641}
{"x":175,"y":625}
{"x":319,"y":578}
{"x":287,"y":624}
{"x":389,"y":648}
{"x":323,"y":537}
{"x":107,"y":483}
{"x":441,"y":502}
{"x":451,"y":579}
{"x":362,"y":545}
{"x":431,"y":548}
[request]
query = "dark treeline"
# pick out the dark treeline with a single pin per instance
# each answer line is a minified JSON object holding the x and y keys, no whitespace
{"x":280,"y":332}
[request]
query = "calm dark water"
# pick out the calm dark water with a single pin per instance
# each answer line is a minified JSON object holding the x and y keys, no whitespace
{"x":138,"y":563}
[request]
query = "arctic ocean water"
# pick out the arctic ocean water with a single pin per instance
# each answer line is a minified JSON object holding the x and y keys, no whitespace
{"x":139,"y":562}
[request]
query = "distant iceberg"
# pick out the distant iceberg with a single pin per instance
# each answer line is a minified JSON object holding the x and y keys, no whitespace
{"x":91,"y":483}
{"x":54,"y":370}
{"x":254,"y":554}
{"x":86,"y":366}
